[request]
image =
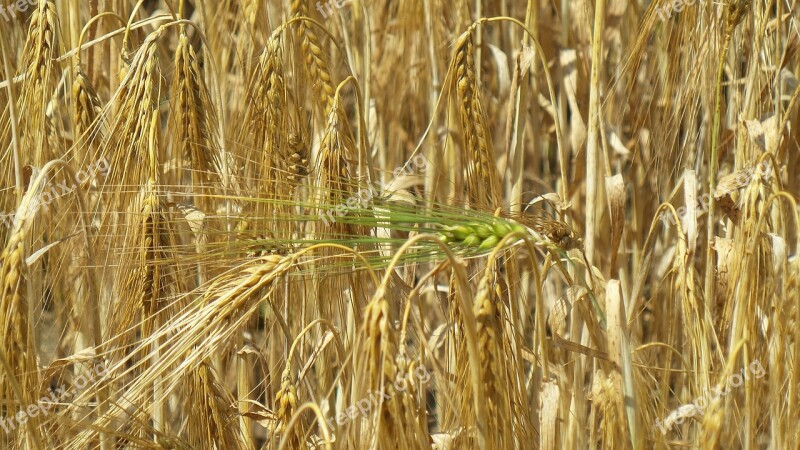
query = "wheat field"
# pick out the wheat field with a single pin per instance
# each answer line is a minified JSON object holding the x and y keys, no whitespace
{"x":399,"y":224}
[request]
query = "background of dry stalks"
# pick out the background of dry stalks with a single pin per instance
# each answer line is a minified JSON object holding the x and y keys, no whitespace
{"x":199,"y":273}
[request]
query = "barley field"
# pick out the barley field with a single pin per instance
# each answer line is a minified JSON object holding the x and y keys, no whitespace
{"x":399,"y":224}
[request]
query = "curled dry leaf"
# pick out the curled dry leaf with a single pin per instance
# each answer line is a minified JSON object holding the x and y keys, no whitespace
{"x":764,"y":133}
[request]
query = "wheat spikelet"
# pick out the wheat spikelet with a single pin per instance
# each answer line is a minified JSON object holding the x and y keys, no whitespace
{"x":316,"y":64}
{"x":251,"y":9}
{"x":14,"y":321}
{"x":333,"y":185}
{"x":376,"y":364}
{"x":332,"y":168}
{"x":263,"y":271}
{"x":265,"y":116}
{"x":298,"y":158}
{"x":86,"y":108}
{"x":19,"y":350}
{"x":457,"y":348}
{"x":482,"y":182}
{"x":42,"y":69}
{"x":148,"y":279}
{"x":279,"y":160}
{"x":211,"y":410}
{"x":149,"y":276}
{"x":333,"y":171}
{"x":192,"y":118}
{"x":490,"y":342}
{"x":131,"y":157}
{"x":286,"y":405}
{"x":411,"y":428}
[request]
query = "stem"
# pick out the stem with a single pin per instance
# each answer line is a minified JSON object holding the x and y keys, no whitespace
{"x":710,"y":285}
{"x":594,"y":129}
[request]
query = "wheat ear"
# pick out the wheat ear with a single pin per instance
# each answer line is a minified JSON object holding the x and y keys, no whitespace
{"x":482,"y":181}
{"x":316,"y":64}
{"x":211,"y":410}
{"x":193,"y":119}
{"x":40,"y":62}
{"x":20,"y":379}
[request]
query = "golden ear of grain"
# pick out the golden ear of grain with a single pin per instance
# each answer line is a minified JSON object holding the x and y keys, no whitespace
{"x":133,"y":149}
{"x":336,"y":148}
{"x":149,"y":276}
{"x":379,"y":341}
{"x":150,"y":273}
{"x":19,"y":349}
{"x":285,"y":407}
{"x":333,"y":172}
{"x":316,"y":63}
{"x":388,"y":381}
{"x":251,"y":11}
{"x":266,"y":120}
{"x":493,"y":357}
{"x":298,"y":158}
{"x":211,"y":410}
{"x":483,"y":183}
{"x":42,"y":71}
{"x":86,"y":108}
{"x":193,"y":119}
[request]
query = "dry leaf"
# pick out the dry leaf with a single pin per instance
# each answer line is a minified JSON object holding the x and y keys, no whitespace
{"x":262,"y":416}
{"x":733,"y":182}
{"x":764,"y":133}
